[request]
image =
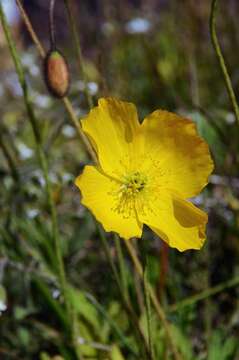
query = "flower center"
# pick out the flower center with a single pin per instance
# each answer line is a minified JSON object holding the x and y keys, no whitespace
{"x":131,"y":190}
{"x":133,"y":183}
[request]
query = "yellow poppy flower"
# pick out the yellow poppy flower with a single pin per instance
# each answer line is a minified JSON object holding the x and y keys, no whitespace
{"x":146,"y":173}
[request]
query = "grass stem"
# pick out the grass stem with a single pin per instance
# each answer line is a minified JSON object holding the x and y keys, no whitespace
{"x":43,"y":163}
{"x":221,"y":60}
{"x":205,"y":294}
{"x":9,"y":158}
{"x":122,"y":266}
{"x":126,"y":301}
{"x":148,"y":311}
{"x":159,"y":310}
{"x":76,"y":39}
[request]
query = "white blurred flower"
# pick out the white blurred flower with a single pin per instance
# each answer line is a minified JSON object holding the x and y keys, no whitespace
{"x":92,"y":87}
{"x":43,"y":101}
{"x":27,"y":59}
{"x":3,"y":306}
{"x":32,"y":213}
{"x":230,"y":118}
{"x":68,"y":131}
{"x":55,"y":293}
{"x":13,"y":83}
{"x":67,"y":177}
{"x":38,"y":175}
{"x":34,"y":70}
{"x":138,"y":26}
{"x":24,"y":151}
{"x":10,"y":10}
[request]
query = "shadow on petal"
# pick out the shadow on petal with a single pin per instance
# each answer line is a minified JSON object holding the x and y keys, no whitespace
{"x":188,"y":215}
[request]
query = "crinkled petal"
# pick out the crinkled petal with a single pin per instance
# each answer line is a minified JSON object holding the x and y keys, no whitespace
{"x":112,"y":127}
{"x":98,"y":193}
{"x":176,"y":221}
{"x":179,"y":158}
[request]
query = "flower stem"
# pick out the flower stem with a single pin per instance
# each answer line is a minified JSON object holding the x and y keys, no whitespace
{"x":30,"y":29}
{"x":148,"y":310}
{"x":65,"y":100}
{"x":51,"y":24}
{"x":221,"y":60}
{"x":77,"y":125}
{"x":125,"y":300}
{"x":122,"y":267}
{"x":43,"y":163}
{"x":76,"y":39}
{"x":159,"y":310}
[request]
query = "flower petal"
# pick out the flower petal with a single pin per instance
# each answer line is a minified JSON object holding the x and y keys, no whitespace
{"x":112,"y":127}
{"x":183,"y":158}
{"x":176,"y":221}
{"x":98,"y":195}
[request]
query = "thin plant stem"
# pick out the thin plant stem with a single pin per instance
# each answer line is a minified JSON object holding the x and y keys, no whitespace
{"x":208,"y":303}
{"x":131,"y":251}
{"x":210,"y":120}
{"x":122,"y":267}
{"x":30,"y":111}
{"x":77,"y":125}
{"x":148,"y":310}
{"x":125,"y":301}
{"x":205,"y":294}
{"x":123,"y":339}
{"x":65,"y":100}
{"x":51,"y":23}
{"x":30,"y":29}
{"x":109,"y":257}
{"x":9,"y":158}
{"x":159,"y":310}
{"x":76,"y":39}
{"x":138,"y":290}
{"x":74,"y":120}
{"x":221,"y":60}
{"x":42,"y":160}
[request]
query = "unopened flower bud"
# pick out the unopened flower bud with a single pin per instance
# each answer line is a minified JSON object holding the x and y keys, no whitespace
{"x":56,"y":74}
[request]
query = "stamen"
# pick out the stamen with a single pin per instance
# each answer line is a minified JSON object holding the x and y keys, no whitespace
{"x":136,"y":190}
{"x":132,"y":188}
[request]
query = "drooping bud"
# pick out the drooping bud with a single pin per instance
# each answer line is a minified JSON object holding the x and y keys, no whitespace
{"x":56,"y":73}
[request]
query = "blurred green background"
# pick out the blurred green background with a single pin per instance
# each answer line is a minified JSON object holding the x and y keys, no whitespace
{"x":157,"y":54}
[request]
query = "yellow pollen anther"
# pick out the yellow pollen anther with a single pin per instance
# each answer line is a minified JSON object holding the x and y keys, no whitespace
{"x":131,"y":190}
{"x":134,"y":183}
